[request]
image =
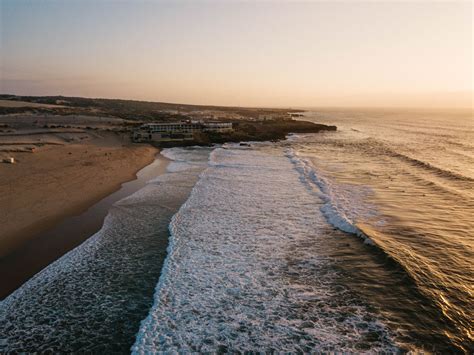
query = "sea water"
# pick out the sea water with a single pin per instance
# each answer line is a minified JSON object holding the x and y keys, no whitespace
{"x":93,"y":298}
{"x":405,"y":181}
{"x":245,"y":272}
{"x":359,"y":240}
{"x":354,"y":240}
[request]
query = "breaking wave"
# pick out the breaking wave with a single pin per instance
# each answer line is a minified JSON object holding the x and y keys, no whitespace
{"x":243,"y":271}
{"x":411,"y":198}
{"x":93,"y":298}
{"x":341,"y":208}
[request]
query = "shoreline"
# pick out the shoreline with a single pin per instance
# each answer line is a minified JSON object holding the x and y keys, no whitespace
{"x":25,"y":250}
{"x":58,"y":182}
{"x":94,"y":298}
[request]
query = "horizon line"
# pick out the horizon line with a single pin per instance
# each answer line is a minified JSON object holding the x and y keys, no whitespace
{"x":471,"y":108}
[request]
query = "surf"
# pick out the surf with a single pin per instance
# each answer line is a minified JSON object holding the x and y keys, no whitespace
{"x":237,"y":276}
{"x":93,"y":298}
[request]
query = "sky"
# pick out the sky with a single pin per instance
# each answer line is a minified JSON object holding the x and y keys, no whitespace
{"x":272,"y":53}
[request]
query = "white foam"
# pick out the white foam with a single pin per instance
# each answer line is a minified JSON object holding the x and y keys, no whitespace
{"x":91,"y":299}
{"x":243,"y":271}
{"x":185,"y":158}
{"x":344,"y":204}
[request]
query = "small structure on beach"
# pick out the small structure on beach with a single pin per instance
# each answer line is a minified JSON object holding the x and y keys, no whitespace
{"x":9,"y":160}
{"x":177,"y":131}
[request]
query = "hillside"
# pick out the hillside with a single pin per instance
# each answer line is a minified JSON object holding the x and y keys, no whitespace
{"x":128,"y":109}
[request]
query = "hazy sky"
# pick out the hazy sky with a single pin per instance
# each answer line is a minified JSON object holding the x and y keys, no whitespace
{"x":241,"y":53}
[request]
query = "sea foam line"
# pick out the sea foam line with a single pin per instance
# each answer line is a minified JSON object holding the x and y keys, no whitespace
{"x":244,"y":272}
{"x":334,"y":214}
{"x":102,"y":289}
{"x":170,"y":250}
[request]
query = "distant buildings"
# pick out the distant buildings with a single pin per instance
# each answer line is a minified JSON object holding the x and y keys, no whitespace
{"x":177,"y":131}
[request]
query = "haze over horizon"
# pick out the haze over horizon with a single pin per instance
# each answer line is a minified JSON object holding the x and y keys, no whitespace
{"x":241,"y":54}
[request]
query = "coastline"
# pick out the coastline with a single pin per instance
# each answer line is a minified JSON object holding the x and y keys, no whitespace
{"x":62,"y":181}
{"x":94,"y":298}
{"x":35,"y":240}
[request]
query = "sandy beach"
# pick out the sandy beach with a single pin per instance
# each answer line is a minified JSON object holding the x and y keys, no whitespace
{"x":94,"y":298}
{"x":62,"y":179}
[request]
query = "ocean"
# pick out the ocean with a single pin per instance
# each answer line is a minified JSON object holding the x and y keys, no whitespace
{"x":358,"y":240}
{"x":405,"y":181}
{"x":92,"y":299}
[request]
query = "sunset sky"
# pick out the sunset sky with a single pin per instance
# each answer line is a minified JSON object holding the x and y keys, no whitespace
{"x":241,"y":53}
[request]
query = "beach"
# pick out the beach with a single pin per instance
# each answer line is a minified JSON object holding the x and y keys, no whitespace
{"x":44,"y":187}
{"x":310,"y":267}
{"x":58,"y":174}
{"x":93,"y":298}
{"x":244,"y":178}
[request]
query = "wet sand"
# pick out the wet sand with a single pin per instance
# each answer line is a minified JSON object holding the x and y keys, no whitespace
{"x":93,"y":299}
{"x":46,"y":199}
